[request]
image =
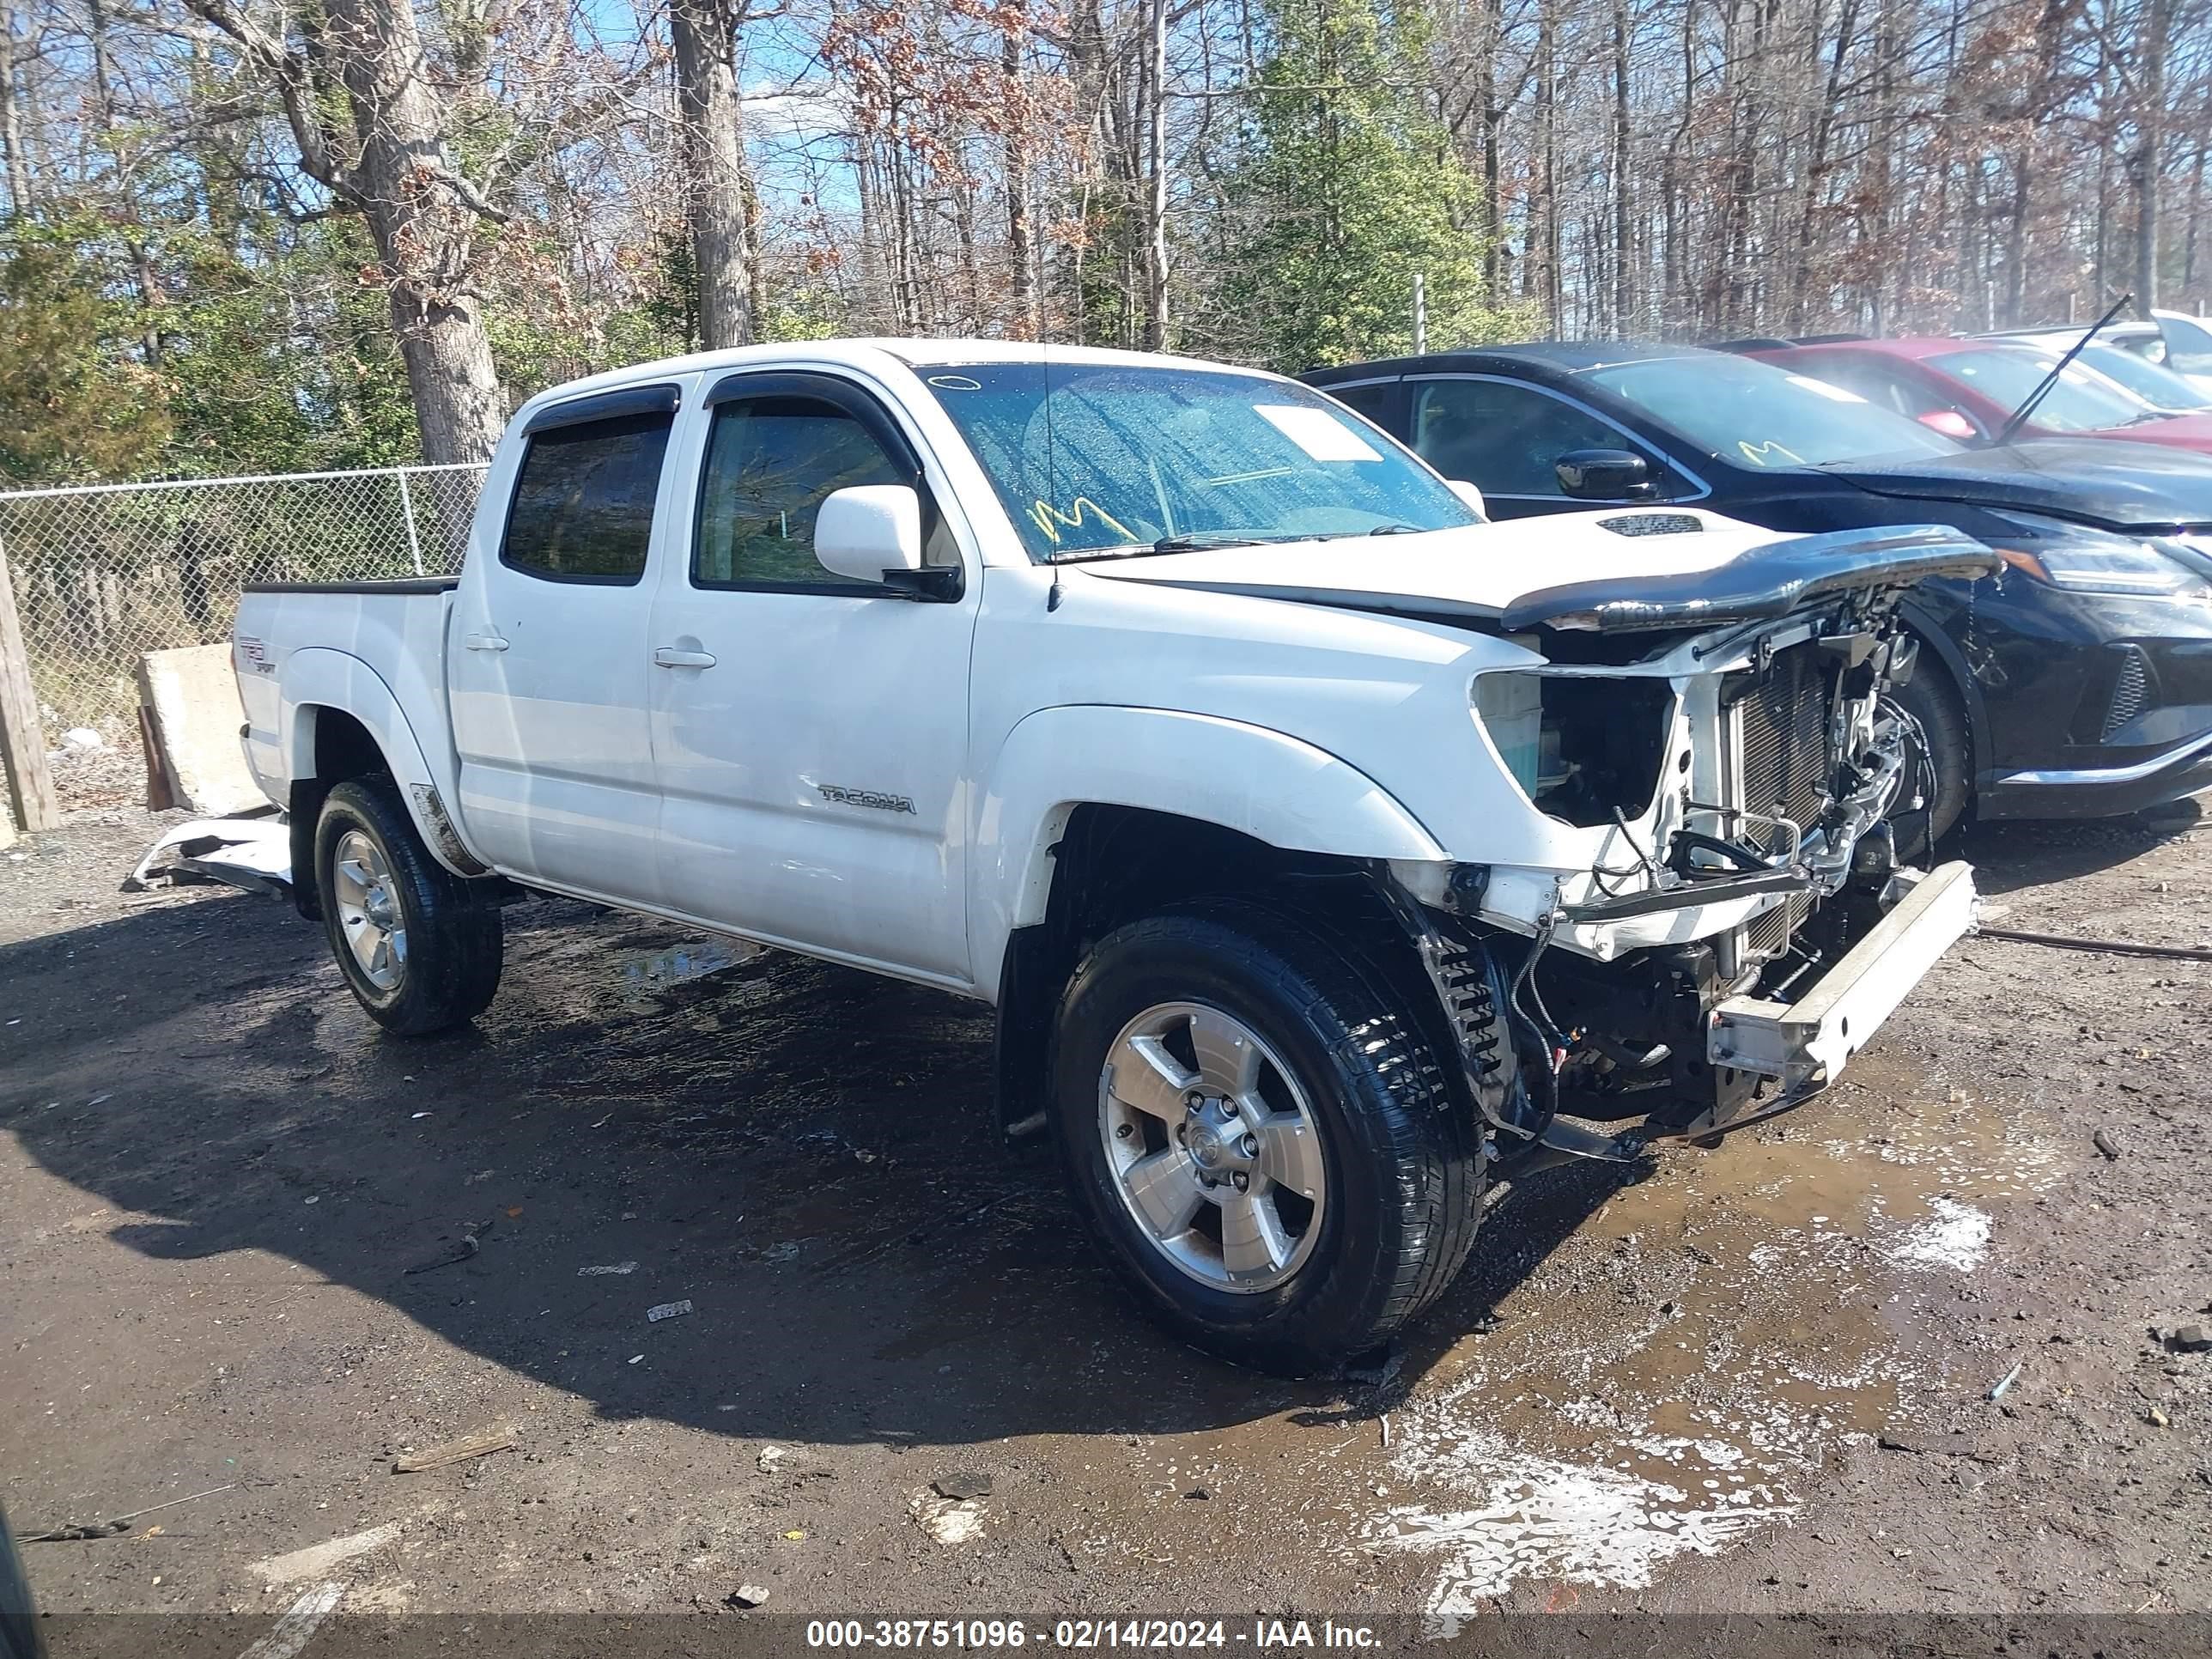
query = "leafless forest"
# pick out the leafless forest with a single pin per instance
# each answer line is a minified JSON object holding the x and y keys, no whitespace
{"x":229,"y":224}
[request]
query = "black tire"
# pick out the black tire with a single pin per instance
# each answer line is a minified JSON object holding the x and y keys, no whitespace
{"x":453,"y":940}
{"x":1931,"y":699}
{"x":1402,"y":1157}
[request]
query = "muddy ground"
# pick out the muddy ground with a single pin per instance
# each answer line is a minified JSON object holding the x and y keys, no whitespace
{"x":1754,"y":1381}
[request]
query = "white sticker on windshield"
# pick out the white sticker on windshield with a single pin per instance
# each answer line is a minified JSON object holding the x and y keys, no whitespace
{"x":1826,"y":390}
{"x":1317,"y":432}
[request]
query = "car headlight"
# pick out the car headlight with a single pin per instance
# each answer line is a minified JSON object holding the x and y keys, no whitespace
{"x":2084,"y":561}
{"x":2193,"y":551}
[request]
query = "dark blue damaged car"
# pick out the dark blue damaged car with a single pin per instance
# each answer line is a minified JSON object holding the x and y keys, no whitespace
{"x":2077,"y":681}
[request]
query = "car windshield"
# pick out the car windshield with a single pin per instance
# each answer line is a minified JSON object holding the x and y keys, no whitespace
{"x":1754,"y":414}
{"x":2162,"y":388}
{"x":2078,"y":402}
{"x":1092,"y":459}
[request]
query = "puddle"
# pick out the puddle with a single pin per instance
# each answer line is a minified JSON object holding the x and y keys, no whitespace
{"x":1667,"y":1380}
{"x":643,"y":976}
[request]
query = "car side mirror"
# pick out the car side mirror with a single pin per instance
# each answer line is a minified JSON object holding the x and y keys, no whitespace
{"x":868,"y":532}
{"x":1951,"y":423}
{"x":1472,"y":496}
{"x":1605,"y":475}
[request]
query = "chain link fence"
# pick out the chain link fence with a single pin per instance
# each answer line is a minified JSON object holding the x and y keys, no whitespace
{"x":106,"y":573}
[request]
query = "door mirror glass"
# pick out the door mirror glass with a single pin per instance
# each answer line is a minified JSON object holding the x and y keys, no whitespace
{"x":867,"y":531}
{"x":1471,"y":494}
{"x":1603,"y":475}
{"x":1950,"y":423}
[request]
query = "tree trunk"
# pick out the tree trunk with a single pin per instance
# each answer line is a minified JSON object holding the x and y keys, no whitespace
{"x":20,"y":201}
{"x":1624,"y":210}
{"x":714,"y":167}
{"x":2148,"y":161}
{"x":1021,"y":269}
{"x":1548,"y":161}
{"x":424,"y":227}
{"x":1156,"y":182}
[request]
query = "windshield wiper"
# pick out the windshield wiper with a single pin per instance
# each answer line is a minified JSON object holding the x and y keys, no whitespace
{"x":2018,"y":417}
{"x":1196,"y":541}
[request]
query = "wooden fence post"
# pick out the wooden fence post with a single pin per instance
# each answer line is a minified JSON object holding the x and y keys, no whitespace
{"x":22,"y":742}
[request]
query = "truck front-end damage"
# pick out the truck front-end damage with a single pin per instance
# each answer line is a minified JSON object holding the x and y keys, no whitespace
{"x":1722,"y":769}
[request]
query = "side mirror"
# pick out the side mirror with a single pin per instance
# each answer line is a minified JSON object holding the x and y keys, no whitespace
{"x":868,"y":532}
{"x":1951,"y":423}
{"x":1472,"y":496}
{"x":1605,"y":475}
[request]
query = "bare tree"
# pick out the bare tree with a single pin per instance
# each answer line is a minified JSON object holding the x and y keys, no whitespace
{"x":389,"y":160}
{"x":704,"y":33}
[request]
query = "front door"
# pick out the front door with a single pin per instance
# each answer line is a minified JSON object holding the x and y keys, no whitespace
{"x":1506,"y":438}
{"x":810,"y":732}
{"x":548,"y":666}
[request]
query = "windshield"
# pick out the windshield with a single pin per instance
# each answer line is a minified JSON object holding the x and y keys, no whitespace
{"x":2079,"y":401}
{"x":1754,"y":414}
{"x":2162,"y":388}
{"x":1145,"y":458}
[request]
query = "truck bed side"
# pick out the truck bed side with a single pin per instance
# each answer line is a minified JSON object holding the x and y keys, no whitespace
{"x":324,"y":668}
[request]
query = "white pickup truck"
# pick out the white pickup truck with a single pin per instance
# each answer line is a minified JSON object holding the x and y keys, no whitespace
{"x":1324,"y":848}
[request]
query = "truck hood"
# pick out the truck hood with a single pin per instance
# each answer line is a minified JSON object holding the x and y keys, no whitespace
{"x":1611,"y":572}
{"x":2115,"y":485}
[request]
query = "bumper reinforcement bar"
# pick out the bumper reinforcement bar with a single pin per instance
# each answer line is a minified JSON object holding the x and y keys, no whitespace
{"x":1805,"y":1044}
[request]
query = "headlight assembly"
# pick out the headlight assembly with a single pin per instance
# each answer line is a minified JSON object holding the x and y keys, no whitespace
{"x":2084,"y":561}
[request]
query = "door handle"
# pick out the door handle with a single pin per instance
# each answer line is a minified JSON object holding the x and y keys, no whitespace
{"x":483,"y":642}
{"x":669,"y":656}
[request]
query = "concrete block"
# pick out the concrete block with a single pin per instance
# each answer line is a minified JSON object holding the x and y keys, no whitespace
{"x":192,"y":717}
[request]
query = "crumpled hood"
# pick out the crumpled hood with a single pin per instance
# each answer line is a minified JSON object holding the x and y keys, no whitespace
{"x":1608,"y":571}
{"x":2118,"y":485}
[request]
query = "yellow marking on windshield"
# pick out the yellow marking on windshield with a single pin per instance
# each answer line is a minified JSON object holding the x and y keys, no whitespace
{"x":1763,"y":454}
{"x":1049,"y":517}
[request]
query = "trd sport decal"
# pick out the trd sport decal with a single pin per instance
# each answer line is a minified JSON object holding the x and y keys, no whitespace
{"x":837,"y":795}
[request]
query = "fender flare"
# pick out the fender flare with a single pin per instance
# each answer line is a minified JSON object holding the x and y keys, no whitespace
{"x":318,"y":677}
{"x":1263,"y":783}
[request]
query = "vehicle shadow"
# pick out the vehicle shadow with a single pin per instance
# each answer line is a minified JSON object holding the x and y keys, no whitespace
{"x":806,"y":1154}
{"x":2007,"y":857}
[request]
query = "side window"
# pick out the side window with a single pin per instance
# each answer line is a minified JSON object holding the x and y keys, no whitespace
{"x":1372,"y":399}
{"x":583,"y":500}
{"x":1503,"y":438}
{"x":770,"y":463}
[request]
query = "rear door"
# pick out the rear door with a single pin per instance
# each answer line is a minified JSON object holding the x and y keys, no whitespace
{"x":810,"y":732}
{"x":548,"y":662}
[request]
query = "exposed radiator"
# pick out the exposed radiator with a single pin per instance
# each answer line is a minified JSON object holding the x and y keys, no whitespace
{"x":1782,"y":724}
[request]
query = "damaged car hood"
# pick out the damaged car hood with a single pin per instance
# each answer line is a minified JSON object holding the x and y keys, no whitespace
{"x":1616,"y":571}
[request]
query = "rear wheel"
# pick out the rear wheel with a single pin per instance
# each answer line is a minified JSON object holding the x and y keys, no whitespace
{"x":1948,"y":782}
{"x":1259,"y":1138}
{"x":419,"y":949}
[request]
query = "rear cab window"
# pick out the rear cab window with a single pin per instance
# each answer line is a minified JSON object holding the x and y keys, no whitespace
{"x":583,"y":503}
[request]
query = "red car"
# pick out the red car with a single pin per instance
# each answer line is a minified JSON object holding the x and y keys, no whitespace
{"x":1967,"y":389}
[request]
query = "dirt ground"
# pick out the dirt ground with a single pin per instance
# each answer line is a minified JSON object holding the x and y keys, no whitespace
{"x":1754,"y":1382}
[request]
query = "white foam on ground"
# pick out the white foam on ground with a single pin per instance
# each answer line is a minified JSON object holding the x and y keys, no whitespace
{"x":1537,"y":1516}
{"x":1957,"y":1236}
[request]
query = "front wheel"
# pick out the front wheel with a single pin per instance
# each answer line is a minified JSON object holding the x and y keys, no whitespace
{"x":1258,"y":1138}
{"x":420,"y":950}
{"x":1947,"y":777}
